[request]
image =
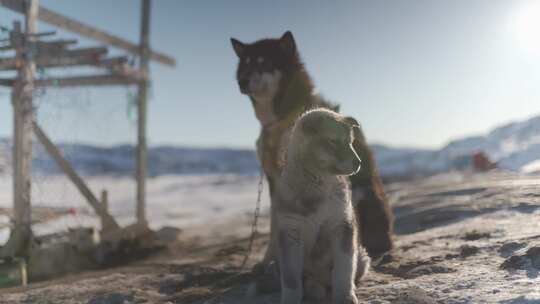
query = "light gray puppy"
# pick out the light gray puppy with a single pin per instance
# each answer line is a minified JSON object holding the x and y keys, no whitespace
{"x":319,"y":252}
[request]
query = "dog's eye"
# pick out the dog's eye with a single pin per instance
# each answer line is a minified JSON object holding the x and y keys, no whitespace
{"x":247,"y":60}
{"x":260,"y":60}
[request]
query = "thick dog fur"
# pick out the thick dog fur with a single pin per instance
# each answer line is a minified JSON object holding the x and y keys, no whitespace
{"x":316,"y":223}
{"x":272,"y":74}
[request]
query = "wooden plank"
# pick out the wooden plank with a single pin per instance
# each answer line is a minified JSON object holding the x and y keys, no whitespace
{"x":101,"y":80}
{"x":6,"y":48}
{"x":108,"y":221}
{"x":46,"y":55}
{"x":7,"y":64}
{"x":80,"y":28}
{"x":7,"y":82}
{"x":55,"y":45}
{"x":43,"y":34}
{"x":132,"y":232}
{"x":89,"y":52}
{"x":62,"y":62}
{"x":142,"y":96}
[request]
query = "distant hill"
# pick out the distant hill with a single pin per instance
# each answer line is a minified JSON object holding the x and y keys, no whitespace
{"x":515,"y":146}
{"x":120,"y":160}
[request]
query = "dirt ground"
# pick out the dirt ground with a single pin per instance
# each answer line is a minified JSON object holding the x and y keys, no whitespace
{"x":461,"y":238}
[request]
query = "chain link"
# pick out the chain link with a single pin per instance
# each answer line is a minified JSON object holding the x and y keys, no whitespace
{"x":256,"y":216}
{"x":254,"y":232}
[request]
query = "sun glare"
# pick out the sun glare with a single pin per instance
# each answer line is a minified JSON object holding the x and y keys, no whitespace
{"x":525,"y":26}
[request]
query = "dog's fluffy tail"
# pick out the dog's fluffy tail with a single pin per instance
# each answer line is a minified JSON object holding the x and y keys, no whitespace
{"x":372,"y":208}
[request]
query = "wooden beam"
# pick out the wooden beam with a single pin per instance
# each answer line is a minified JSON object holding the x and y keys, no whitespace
{"x":113,"y":61}
{"x":43,"y":34}
{"x":6,"y":48}
{"x":90,"y":52}
{"x":6,"y":82}
{"x":142,"y":96}
{"x":108,"y":221}
{"x":101,"y":80}
{"x":7,"y":64}
{"x":55,"y":45}
{"x":44,"y":56}
{"x":80,"y":28}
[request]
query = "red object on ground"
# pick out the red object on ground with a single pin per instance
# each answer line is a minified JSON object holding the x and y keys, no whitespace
{"x":482,"y":163}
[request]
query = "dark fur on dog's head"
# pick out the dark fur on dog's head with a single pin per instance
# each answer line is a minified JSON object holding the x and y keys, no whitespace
{"x":282,"y":51}
{"x":271,"y":68}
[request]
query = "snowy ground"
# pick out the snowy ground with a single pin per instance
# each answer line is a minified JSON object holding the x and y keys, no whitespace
{"x":178,"y":201}
{"x":460,"y":239}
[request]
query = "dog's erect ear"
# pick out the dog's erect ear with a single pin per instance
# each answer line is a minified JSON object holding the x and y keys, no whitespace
{"x":287,"y":43}
{"x":352,"y":122}
{"x":357,"y":129}
{"x":238,"y":47}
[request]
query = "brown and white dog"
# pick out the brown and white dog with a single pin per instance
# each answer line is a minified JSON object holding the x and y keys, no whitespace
{"x":272,"y":74}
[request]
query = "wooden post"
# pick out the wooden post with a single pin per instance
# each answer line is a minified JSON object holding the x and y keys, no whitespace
{"x":19,"y":241}
{"x":108,"y":222}
{"x":142,"y":100}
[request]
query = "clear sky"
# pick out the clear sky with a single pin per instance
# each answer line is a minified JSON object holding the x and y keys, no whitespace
{"x":415,"y":73}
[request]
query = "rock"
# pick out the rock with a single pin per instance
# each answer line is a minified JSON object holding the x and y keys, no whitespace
{"x":414,"y":295}
{"x":533,"y":254}
{"x":427,"y":270}
{"x":476,"y":235}
{"x":515,"y":262}
{"x":522,"y":261}
{"x":468,"y":250}
{"x":168,"y":234}
{"x":509,"y":248}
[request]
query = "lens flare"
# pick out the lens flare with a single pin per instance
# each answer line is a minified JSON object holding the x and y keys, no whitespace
{"x":525,"y":26}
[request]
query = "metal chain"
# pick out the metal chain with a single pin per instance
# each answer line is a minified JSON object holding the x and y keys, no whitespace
{"x":256,"y":216}
{"x":254,"y":232}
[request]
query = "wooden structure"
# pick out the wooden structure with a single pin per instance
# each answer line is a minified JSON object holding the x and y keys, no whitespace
{"x":32,"y":51}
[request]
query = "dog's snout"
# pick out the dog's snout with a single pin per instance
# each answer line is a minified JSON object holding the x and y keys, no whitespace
{"x":243,"y":83}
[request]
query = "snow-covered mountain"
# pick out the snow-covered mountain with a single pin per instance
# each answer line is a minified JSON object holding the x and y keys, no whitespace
{"x":514,"y":146}
{"x":120,"y":160}
{"x":90,"y":160}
